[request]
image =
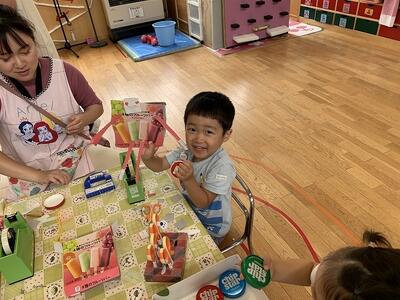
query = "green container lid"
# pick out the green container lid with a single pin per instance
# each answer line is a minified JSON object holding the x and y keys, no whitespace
{"x":254,"y":272}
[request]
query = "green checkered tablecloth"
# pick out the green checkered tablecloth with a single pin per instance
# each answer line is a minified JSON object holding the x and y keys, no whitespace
{"x":79,"y":216}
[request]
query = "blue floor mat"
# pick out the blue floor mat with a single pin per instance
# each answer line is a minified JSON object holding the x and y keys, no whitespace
{"x":139,"y":51}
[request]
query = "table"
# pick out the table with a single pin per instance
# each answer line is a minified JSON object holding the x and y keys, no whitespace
{"x":79,"y":216}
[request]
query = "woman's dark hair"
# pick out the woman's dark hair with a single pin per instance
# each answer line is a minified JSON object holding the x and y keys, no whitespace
{"x":11,"y":24}
{"x":212,"y":105}
{"x":371,"y":272}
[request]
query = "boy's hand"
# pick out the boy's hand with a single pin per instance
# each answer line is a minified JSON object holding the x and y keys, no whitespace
{"x":184,"y":171}
{"x":149,"y":152}
{"x":76,"y":124}
{"x":55,"y":176}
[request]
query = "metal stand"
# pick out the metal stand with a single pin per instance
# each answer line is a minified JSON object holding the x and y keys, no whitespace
{"x":60,"y":16}
{"x":97,"y":43}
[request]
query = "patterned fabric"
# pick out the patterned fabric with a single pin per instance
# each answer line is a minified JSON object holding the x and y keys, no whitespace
{"x":79,"y":216}
{"x":216,"y":175}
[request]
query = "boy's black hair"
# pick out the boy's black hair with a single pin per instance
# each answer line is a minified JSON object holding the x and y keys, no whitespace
{"x":11,"y":24}
{"x":212,"y":105}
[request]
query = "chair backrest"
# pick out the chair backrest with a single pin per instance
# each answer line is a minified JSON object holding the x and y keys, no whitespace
{"x":248,"y":213}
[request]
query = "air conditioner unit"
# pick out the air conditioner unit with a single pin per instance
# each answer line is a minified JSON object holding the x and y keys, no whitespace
{"x":123,"y":15}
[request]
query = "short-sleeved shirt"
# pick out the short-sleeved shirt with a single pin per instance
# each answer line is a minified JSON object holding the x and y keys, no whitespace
{"x":215,"y":174}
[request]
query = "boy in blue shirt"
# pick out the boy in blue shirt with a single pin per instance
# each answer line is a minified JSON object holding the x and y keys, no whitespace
{"x":207,"y":174}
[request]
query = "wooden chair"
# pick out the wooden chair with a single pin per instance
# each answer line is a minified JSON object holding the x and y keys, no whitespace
{"x":248,"y":214}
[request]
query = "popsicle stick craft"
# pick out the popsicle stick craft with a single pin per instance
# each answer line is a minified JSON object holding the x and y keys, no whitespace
{"x":152,"y":213}
{"x":166,"y":251}
{"x":135,"y":124}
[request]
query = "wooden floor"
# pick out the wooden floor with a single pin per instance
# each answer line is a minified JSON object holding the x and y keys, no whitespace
{"x":317,"y":130}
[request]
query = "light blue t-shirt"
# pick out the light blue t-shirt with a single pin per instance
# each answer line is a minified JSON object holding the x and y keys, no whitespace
{"x":216,"y":175}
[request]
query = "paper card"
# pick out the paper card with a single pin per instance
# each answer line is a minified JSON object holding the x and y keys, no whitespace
{"x":342,"y":22}
{"x":136,"y":12}
{"x":346,"y":8}
{"x":135,"y":122}
{"x":132,"y":105}
{"x":368,"y":11}
{"x":89,"y":261}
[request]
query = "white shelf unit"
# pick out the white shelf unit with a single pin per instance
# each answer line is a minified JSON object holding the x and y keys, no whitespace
{"x":195,"y":19}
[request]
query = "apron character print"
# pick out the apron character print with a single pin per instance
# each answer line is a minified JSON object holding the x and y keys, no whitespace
{"x":26,"y":129}
{"x":43,"y":133}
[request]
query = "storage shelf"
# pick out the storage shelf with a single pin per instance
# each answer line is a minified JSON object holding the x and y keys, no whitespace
{"x":355,"y":20}
{"x":193,"y":3}
{"x":340,"y":13}
{"x":195,"y":19}
{"x":379,"y":4}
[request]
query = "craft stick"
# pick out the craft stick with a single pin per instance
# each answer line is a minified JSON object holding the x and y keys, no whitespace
{"x":151,"y":255}
{"x":97,"y":137}
{"x":153,"y":228}
{"x":126,"y":161}
{"x":166,"y":243}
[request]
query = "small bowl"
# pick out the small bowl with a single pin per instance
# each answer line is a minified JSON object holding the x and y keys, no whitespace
{"x":54,"y":201}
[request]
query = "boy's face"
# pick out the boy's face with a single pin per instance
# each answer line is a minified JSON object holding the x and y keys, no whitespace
{"x":204,"y":136}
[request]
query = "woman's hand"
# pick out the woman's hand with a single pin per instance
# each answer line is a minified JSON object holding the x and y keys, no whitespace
{"x":76,"y":124}
{"x":54,"y":176}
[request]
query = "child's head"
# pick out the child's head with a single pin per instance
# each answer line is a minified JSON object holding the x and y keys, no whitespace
{"x":369,"y":272}
{"x":208,"y":121}
{"x":18,"y":53}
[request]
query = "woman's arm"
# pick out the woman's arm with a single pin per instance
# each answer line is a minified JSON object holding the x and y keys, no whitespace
{"x":79,"y":121}
{"x":85,"y":97}
{"x":12,"y":168}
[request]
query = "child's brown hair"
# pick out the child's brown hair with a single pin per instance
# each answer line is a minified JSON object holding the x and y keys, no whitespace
{"x":361,"y":273}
